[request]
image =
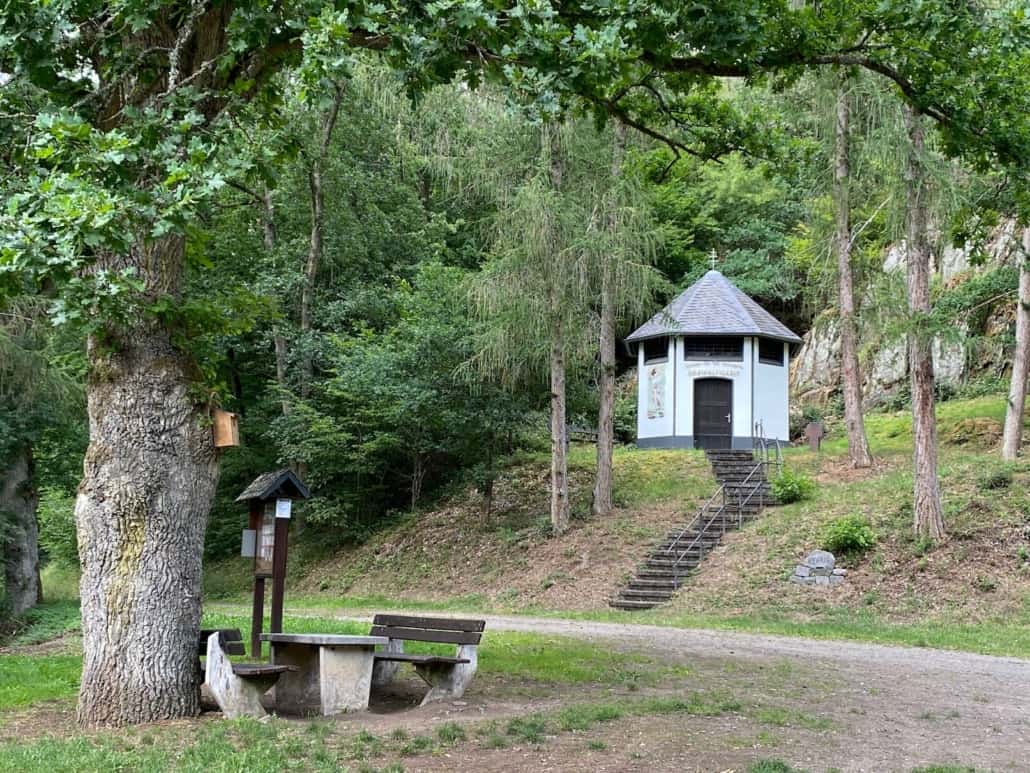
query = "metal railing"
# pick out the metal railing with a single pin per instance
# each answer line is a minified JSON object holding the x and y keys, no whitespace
{"x":697,"y":541}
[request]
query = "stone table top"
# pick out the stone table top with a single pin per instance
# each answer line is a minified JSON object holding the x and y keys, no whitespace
{"x":323,"y":639}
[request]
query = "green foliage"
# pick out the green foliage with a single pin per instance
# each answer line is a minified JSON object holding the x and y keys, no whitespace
{"x":848,"y":536}
{"x":56,"y":516}
{"x":791,"y":486}
{"x":741,"y":210}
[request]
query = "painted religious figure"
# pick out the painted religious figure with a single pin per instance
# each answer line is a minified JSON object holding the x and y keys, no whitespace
{"x":656,"y":391}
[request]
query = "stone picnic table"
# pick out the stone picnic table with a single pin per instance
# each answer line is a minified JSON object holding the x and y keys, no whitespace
{"x":334,"y":673}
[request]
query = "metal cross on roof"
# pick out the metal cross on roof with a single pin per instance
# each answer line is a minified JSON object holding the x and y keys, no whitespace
{"x":713,"y":257}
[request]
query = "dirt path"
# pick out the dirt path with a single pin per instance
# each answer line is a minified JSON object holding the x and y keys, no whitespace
{"x":821,"y":705}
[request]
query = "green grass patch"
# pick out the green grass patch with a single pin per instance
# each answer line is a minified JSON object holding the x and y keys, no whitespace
{"x":773,"y":766}
{"x":26,"y":680}
{"x":238,"y":745}
{"x":46,"y":622}
{"x":531,"y":729}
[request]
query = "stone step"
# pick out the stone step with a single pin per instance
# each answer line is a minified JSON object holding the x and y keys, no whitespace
{"x":668,"y":571}
{"x":643,"y":583}
{"x":647,"y":594}
{"x":671,"y":564}
{"x":663,"y":573}
{"x":624,"y":604}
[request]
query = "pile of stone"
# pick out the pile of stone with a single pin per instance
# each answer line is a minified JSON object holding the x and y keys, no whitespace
{"x":818,"y":568}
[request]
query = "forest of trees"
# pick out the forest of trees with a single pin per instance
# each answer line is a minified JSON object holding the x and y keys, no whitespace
{"x":403,"y":244}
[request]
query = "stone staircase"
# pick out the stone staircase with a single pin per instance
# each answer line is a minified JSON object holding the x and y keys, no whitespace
{"x":743,"y":492}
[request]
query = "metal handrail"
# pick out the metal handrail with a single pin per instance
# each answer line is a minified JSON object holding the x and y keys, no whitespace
{"x":722,"y":508}
{"x":700,"y":514}
{"x":703,"y":530}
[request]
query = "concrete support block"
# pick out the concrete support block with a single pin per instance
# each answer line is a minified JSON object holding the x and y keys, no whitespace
{"x":297,"y":692}
{"x":236,"y":697}
{"x":448,"y":680}
{"x":345,"y":674}
{"x":384,"y":671}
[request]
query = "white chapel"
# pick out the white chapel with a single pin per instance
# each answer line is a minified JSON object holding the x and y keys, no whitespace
{"x":712,"y":370}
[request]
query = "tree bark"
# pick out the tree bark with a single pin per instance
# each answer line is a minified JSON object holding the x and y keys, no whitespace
{"x":1012,"y":437}
{"x":559,"y":435}
{"x":314,"y":259}
{"x":851,"y":377}
{"x":602,"y":499}
{"x":18,"y":503}
{"x":149,"y":479}
{"x":926,"y":506}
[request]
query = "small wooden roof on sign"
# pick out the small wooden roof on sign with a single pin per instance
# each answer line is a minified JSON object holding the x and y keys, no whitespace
{"x":282,"y":483}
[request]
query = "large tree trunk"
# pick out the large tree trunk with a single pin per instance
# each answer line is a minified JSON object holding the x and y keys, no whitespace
{"x":559,"y":436}
{"x":851,"y":377}
{"x":18,"y":502}
{"x":149,"y":480}
{"x":926,"y":506}
{"x":1012,"y":438}
{"x":602,"y":499}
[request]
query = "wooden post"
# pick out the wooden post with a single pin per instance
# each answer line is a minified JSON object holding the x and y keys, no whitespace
{"x":258,"y":612}
{"x":257,"y":617}
{"x":282,"y":530}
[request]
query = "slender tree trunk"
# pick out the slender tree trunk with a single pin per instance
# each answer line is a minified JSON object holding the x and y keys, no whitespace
{"x":559,"y":427}
{"x":927,"y":512}
{"x":271,"y":238}
{"x":18,"y":503}
{"x":1012,"y":438}
{"x":149,"y":479}
{"x":851,"y":377}
{"x":314,"y":259}
{"x":602,"y":499}
{"x":559,"y":435}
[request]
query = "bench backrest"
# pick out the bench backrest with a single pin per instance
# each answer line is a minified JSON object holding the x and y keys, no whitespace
{"x":230,"y":640}
{"x":442,"y":630}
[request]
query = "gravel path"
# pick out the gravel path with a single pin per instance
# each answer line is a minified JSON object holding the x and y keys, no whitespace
{"x":885,"y":708}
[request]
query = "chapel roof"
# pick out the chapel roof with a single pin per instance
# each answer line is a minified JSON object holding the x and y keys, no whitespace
{"x":713,"y":305}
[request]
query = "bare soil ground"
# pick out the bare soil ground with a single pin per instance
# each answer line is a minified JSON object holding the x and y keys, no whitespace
{"x":819,"y":705}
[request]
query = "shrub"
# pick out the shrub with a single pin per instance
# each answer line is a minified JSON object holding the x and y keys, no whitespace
{"x":790,"y":486}
{"x":998,"y":478}
{"x":849,"y":535}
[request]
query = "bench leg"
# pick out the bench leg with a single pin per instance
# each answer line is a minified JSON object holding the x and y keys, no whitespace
{"x":236,"y":697}
{"x":384,"y":671}
{"x":448,"y":680}
{"x":345,"y":675}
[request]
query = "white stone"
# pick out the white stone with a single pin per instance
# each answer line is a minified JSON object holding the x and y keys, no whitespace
{"x":820,"y":559}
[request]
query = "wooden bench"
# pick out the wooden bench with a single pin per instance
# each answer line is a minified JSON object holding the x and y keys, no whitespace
{"x":447,"y":676}
{"x":236,"y":687}
{"x":574,"y":433}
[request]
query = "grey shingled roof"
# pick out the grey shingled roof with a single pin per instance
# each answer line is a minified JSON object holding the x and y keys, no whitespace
{"x":271,"y":484}
{"x":713,"y":306}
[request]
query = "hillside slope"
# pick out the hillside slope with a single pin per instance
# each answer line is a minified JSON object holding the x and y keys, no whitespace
{"x":459,"y":556}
